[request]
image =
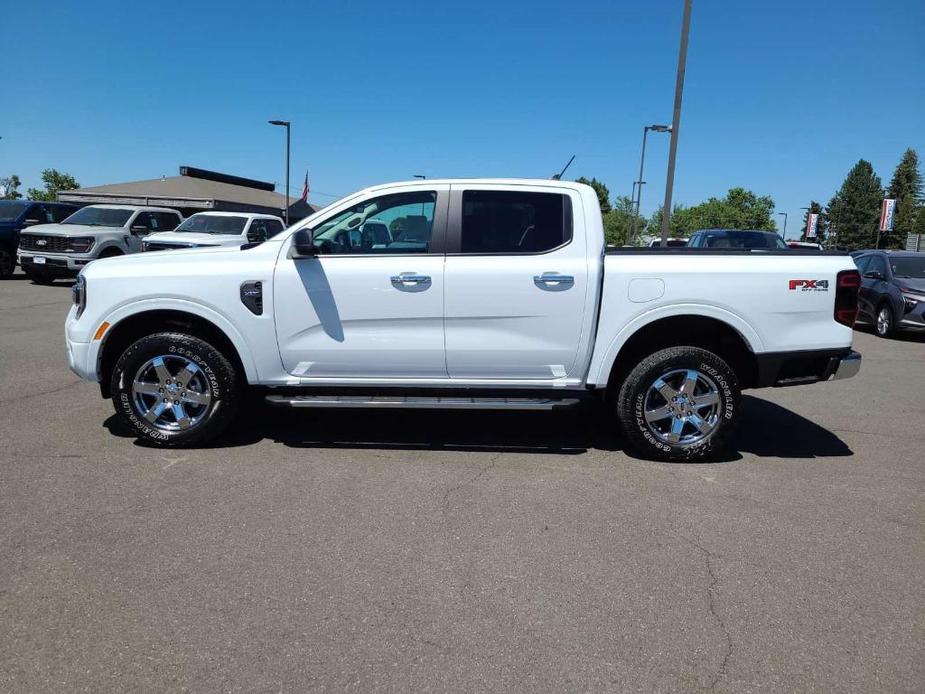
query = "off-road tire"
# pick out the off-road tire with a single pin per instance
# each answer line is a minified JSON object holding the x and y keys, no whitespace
{"x":632,"y":397}
{"x":7,"y":264}
{"x":225,"y":387}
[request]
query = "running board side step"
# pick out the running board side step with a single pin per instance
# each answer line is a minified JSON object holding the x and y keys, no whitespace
{"x":436,"y":403}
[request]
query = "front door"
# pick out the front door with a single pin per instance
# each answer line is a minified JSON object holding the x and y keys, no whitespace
{"x":370,"y":304}
{"x":516,"y":283}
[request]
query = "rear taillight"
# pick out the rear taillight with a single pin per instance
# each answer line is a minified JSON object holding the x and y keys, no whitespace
{"x":846,"y":296}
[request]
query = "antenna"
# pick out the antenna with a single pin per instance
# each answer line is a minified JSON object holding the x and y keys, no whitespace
{"x":558,"y":176}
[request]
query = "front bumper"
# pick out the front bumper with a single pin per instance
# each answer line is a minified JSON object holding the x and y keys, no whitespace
{"x":848,"y":366}
{"x":81,"y":356}
{"x":56,"y":264}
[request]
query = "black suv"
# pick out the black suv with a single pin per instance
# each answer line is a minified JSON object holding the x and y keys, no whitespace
{"x":17,"y":214}
{"x":892,"y":293}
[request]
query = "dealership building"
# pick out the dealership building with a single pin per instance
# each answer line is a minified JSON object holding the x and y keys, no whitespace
{"x":195,"y":190}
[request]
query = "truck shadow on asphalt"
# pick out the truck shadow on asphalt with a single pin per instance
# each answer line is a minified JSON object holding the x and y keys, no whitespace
{"x":769,"y":430}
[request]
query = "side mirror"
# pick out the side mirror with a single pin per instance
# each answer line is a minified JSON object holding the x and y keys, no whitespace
{"x":303,"y":244}
{"x":874,"y":275}
{"x":31,"y":222}
{"x":139,"y":229}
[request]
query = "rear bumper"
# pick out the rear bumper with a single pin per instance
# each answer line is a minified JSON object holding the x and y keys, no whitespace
{"x":780,"y":369}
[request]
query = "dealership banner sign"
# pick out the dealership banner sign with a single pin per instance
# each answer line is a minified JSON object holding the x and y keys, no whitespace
{"x":887,"y":213}
{"x":812,"y":221}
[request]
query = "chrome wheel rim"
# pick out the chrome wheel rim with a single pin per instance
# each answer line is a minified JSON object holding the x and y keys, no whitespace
{"x":171,"y":393}
{"x":682,"y":407}
{"x":883,"y":320}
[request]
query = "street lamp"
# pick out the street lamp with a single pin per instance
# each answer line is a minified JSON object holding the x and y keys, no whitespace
{"x":287,"y":124}
{"x":637,"y":185}
{"x":785,"y":224}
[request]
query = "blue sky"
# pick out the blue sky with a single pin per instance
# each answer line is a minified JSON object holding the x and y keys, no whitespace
{"x":781,"y":97}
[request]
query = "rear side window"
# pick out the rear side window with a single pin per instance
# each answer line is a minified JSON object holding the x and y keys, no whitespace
{"x":62,"y":212}
{"x":513,"y":222}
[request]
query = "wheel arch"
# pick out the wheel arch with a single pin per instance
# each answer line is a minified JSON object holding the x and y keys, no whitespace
{"x":190,"y":319}
{"x":726,"y":335}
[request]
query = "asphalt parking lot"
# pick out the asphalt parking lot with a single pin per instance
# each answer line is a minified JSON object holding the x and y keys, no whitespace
{"x":404,"y":551}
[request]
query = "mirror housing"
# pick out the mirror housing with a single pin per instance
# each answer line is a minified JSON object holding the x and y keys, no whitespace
{"x":303,"y":244}
{"x":31,"y":222}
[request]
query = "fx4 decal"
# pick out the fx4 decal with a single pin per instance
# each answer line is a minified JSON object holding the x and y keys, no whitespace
{"x":809,"y":285}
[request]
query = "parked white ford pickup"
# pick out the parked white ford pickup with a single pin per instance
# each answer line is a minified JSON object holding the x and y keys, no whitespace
{"x":49,"y":251}
{"x":210,"y":229}
{"x":467,"y":294}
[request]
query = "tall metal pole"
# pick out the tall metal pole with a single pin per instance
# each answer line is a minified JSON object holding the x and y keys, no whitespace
{"x":642,"y":161}
{"x":287,"y":173}
{"x":676,"y":120}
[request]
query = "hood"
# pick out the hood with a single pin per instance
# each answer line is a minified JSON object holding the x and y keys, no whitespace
{"x":70,"y":230}
{"x":186,"y":238}
{"x":915,"y":284}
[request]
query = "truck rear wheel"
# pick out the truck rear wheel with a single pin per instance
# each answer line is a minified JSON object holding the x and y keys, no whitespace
{"x":173,"y":389}
{"x":680,"y":403}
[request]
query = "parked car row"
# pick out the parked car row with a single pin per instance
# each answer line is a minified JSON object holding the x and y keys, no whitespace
{"x":53,"y":240}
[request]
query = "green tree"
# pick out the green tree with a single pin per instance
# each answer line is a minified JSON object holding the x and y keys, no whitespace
{"x":906,"y":189}
{"x":54,"y":181}
{"x":740,"y":209}
{"x":603,"y":195}
{"x":815,"y":208}
{"x":854,"y":211}
{"x":10,"y":188}
{"x":618,"y":223}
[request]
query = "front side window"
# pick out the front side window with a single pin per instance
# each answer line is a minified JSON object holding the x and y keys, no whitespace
{"x":166,"y":221}
{"x":273,"y":227}
{"x":99,"y":217}
{"x":909,"y":268}
{"x":61,"y":212}
{"x":877,"y":264}
{"x":213,"y":224}
{"x":513,"y":222}
{"x":862,"y":263}
{"x":400,"y":223}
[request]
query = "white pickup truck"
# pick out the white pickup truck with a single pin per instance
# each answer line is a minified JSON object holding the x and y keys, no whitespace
{"x":50,"y":251}
{"x":471,"y":294}
{"x":210,"y":229}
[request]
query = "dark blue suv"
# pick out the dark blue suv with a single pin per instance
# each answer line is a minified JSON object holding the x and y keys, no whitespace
{"x":892,"y":293}
{"x":17,"y":214}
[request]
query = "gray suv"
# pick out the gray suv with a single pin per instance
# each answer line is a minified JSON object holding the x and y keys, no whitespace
{"x":892,"y":293}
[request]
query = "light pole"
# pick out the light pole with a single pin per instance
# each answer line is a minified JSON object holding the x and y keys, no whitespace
{"x":784,"y":214}
{"x":638,"y":184}
{"x":676,"y":119}
{"x":287,"y":124}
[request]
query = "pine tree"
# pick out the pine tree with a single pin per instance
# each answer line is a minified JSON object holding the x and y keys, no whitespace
{"x":906,"y":189}
{"x":854,"y":212}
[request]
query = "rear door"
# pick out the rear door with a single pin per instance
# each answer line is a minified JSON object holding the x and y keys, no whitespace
{"x":516,"y":282}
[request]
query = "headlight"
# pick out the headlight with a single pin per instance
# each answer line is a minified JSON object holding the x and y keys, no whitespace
{"x":79,"y":294}
{"x":80,"y":244}
{"x":910,"y":295}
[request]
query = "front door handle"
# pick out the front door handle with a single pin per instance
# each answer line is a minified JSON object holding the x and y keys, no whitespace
{"x":410,"y":279}
{"x":553,"y":280}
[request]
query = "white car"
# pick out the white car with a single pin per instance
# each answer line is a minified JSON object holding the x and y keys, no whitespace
{"x":50,"y":251}
{"x":474,"y":294}
{"x":209,"y":229}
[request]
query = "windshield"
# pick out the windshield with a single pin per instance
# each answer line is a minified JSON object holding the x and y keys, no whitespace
{"x":213,"y":224}
{"x":10,"y":210}
{"x":99,"y":217}
{"x":909,"y":268}
{"x":744,"y":239}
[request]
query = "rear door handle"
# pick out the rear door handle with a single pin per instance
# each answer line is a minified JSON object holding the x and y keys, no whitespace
{"x":553,"y":280}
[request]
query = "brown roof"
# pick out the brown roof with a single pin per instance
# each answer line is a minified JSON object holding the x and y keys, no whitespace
{"x":187,"y":191}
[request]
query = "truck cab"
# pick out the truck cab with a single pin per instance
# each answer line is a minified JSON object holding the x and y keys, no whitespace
{"x":213,"y":229}
{"x":51,"y":251}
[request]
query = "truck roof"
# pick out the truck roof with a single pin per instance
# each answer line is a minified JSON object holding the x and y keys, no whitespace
{"x":423,"y":182}
{"x":136,"y":207}
{"x":253,"y":215}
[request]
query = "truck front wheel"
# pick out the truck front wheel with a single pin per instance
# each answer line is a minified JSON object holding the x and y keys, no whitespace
{"x":680,"y":403}
{"x":173,"y":389}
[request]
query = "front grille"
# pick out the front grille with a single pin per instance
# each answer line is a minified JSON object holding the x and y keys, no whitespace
{"x":155,"y":246}
{"x":35,"y":242}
